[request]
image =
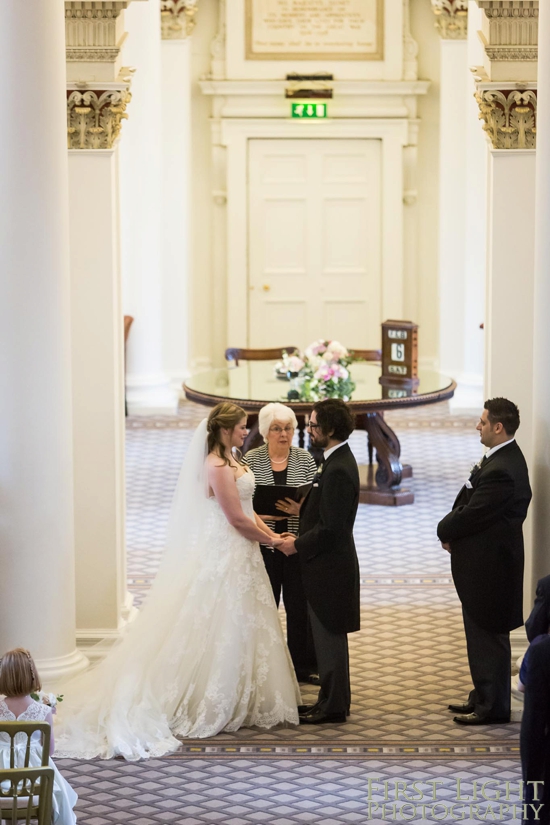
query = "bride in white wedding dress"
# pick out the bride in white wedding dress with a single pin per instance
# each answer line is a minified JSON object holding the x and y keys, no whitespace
{"x":206,"y":652}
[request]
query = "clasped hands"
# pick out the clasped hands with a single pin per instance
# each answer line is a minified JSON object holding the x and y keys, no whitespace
{"x":285,"y":543}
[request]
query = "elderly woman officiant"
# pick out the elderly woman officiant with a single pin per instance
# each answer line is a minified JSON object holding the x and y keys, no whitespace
{"x":279,"y":462}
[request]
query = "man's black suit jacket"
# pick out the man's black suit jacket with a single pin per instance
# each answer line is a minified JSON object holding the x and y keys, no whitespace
{"x":326,"y":549}
{"x":539,"y":618}
{"x":535,"y":732}
{"x":484,"y":530}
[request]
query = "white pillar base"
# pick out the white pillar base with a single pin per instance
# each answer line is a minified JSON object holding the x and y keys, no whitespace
{"x":95,"y":643}
{"x":61,"y":668}
{"x":150,"y":395}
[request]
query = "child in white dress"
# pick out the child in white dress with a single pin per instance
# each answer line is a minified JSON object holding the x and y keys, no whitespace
{"x":18,"y":679}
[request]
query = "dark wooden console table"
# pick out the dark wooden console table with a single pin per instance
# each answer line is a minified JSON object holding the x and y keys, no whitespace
{"x":253,"y":384}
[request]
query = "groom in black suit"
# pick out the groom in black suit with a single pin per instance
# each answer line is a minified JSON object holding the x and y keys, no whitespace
{"x":328,"y":561}
{"x":483,"y":534}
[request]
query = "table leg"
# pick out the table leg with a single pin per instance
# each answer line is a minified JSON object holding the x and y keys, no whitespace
{"x":383,"y":485}
{"x":301,"y":430}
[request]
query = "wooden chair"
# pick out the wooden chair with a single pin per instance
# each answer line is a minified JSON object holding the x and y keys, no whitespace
{"x":28,"y":795}
{"x":128,"y":321}
{"x":236,"y":354}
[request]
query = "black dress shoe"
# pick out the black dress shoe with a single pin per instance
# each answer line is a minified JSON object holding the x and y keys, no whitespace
{"x":476,"y":719}
{"x":465,"y":708}
{"x":302,"y":709}
{"x":319,"y":717}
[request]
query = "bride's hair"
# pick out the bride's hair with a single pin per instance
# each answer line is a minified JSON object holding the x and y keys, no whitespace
{"x":224,"y":416}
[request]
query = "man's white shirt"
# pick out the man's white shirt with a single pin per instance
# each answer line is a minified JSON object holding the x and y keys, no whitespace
{"x":493,"y":450}
{"x":332,"y":449}
{"x":488,"y":454}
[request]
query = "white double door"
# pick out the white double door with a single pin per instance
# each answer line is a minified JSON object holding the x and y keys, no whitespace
{"x":314,"y":241}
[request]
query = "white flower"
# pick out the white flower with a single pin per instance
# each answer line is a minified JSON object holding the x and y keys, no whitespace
{"x":323,"y":373}
{"x":316,"y":348}
{"x":337,"y":349}
{"x":315,"y":362}
{"x":47,"y":698}
{"x":294,"y":363}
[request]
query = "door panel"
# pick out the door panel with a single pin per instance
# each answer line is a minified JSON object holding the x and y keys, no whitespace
{"x":314,"y":242}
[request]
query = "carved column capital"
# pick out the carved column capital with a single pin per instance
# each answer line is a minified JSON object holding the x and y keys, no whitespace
{"x":510,"y":38}
{"x":94,"y":34}
{"x":509,"y":115}
{"x":95,"y":113}
{"x":451,"y":18}
{"x":177,"y":18}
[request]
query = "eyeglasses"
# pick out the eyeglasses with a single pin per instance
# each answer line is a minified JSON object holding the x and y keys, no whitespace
{"x":280,"y":430}
{"x":311,"y":426}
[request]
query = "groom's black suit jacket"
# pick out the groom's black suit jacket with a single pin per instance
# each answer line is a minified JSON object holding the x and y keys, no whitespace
{"x":326,"y":549}
{"x":484,"y":529}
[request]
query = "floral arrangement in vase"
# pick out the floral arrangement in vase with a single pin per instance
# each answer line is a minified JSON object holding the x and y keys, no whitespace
{"x":320,"y":371}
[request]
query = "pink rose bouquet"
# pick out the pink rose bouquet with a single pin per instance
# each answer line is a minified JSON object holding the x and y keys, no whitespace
{"x":321,"y":371}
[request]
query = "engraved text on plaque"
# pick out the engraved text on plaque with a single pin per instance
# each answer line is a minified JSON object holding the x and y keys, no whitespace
{"x":314,"y":29}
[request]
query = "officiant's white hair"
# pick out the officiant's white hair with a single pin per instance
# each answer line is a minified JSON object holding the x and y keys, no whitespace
{"x":275,"y":412}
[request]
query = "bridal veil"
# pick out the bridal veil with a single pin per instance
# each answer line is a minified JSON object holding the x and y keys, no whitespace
{"x":122,"y":705}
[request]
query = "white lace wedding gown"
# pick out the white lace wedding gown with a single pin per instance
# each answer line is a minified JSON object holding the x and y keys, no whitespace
{"x":64,"y":798}
{"x":215,"y":659}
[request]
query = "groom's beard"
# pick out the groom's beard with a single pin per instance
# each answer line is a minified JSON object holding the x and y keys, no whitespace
{"x":319,"y":440}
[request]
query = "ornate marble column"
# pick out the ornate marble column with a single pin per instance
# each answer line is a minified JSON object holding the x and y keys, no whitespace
{"x":507,"y":98}
{"x":37,"y":605}
{"x":147,"y":385}
{"x":540,"y":466}
{"x":98,"y":98}
{"x":177,"y":24}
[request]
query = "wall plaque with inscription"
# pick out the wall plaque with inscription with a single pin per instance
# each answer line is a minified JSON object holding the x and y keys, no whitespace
{"x":315,"y":29}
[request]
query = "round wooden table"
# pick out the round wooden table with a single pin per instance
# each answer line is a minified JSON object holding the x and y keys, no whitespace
{"x":253,"y":384}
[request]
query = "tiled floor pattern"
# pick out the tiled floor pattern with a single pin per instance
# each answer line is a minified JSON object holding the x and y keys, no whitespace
{"x":292,"y":792}
{"x":407,"y":662}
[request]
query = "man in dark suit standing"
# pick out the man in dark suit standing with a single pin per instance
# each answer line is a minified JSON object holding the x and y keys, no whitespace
{"x":328,"y":561}
{"x":483,"y":534}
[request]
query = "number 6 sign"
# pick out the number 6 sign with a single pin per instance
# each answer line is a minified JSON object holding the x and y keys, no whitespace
{"x":399,"y":353}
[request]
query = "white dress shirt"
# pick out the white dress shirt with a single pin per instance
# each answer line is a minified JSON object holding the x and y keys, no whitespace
{"x":498,"y":447}
{"x":332,"y":449}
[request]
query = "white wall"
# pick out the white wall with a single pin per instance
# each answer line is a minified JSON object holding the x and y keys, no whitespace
{"x":510,"y":296}
{"x":476,"y":214}
{"x":423,"y":31}
{"x":452,"y":206}
{"x":176,"y":215}
{"x":200,"y":285}
{"x":425,"y":297}
{"x":147,"y":387}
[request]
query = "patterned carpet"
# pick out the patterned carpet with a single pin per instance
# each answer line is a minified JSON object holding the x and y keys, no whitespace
{"x":408,"y":662}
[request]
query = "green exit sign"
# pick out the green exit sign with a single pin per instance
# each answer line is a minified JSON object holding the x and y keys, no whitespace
{"x":308,"y":111}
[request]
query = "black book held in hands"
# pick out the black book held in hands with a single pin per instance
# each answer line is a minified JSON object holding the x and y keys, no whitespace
{"x":267,"y":495}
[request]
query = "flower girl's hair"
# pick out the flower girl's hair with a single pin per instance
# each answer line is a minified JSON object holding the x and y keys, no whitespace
{"x":18,"y":674}
{"x":224,"y":416}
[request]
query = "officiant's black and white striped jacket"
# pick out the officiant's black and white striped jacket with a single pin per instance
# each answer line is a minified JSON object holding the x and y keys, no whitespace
{"x":301,"y":469}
